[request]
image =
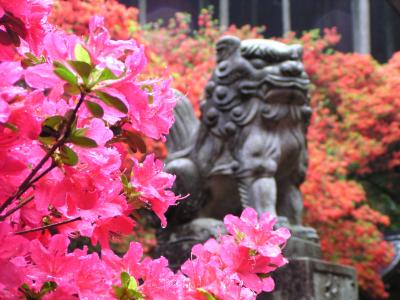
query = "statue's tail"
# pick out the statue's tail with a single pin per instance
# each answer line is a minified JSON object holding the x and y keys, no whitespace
{"x":182,"y":134}
{"x":180,"y":142}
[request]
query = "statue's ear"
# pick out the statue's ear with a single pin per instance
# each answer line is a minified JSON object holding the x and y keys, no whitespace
{"x":226,"y":46}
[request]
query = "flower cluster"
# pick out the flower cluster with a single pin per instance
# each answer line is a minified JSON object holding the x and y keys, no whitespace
{"x":81,"y":102}
{"x":239,"y":266}
{"x":72,"y":113}
{"x":247,"y":256}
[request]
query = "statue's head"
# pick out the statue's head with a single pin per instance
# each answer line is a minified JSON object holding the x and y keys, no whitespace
{"x":251,"y":71}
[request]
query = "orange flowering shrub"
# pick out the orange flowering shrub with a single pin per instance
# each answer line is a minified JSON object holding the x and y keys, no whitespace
{"x":74,"y":15}
{"x":354,"y":135}
{"x":354,"y":125}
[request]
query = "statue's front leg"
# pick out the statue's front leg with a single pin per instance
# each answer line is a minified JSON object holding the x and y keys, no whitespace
{"x":260,"y":193}
{"x":290,"y":202}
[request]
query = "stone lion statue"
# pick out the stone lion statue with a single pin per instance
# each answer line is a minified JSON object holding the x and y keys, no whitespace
{"x":249,"y":147}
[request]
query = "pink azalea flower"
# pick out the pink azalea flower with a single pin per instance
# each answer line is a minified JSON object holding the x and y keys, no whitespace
{"x":106,"y":52}
{"x":13,"y":274}
{"x":106,"y":229}
{"x":91,"y":279}
{"x":10,"y":72}
{"x":154,"y":186}
{"x":99,"y":132}
{"x":22,"y":20}
{"x":246,"y":267}
{"x":4,"y":111}
{"x":213,"y":279}
{"x":159,"y":280}
{"x":11,"y":245}
{"x":59,"y":46}
{"x":257,"y":235}
{"x":150,"y":106}
{"x":52,"y":263}
{"x":199,"y":273}
{"x":42,"y":76}
{"x":129,"y":263}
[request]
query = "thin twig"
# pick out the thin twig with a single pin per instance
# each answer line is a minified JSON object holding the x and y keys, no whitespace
{"x":27,"y":182}
{"x":14,"y":209}
{"x":19,"y":194}
{"x":48,"y":226}
{"x":37,"y":178}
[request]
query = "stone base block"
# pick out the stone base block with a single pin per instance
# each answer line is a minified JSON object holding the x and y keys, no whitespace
{"x":313,"y":279}
{"x":297,"y":247}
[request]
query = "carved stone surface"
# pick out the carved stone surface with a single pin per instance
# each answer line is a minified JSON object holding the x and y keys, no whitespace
{"x":313,"y":279}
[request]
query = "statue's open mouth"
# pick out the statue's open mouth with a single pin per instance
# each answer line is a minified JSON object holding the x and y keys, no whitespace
{"x":278,"y":81}
{"x":286,"y":95}
{"x":286,"y":89}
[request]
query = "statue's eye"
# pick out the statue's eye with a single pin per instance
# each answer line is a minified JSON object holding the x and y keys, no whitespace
{"x":258,"y":63}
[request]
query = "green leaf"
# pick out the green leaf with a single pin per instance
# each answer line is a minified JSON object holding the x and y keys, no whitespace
{"x":82,"y":68}
{"x":206,"y":294}
{"x":71,"y":89}
{"x":10,"y":126}
{"x":135,"y":295}
{"x":62,"y":71}
{"x":119,"y":292}
{"x":99,"y":75}
{"x":124,"y":181}
{"x":106,"y":74}
{"x":263,"y":275}
{"x":25,"y":287}
{"x":132,"y":285}
{"x":30,"y":60}
{"x":47,"y":140}
{"x":68,"y":156}
{"x":80,"y":132}
{"x":54,"y":122}
{"x":95,"y":109}
{"x":28,"y":293}
{"x":149,"y":90}
{"x":82,"y":54}
{"x":57,"y":64}
{"x":31,"y":57}
{"x":83,"y":141}
{"x":47,"y":287}
{"x":112,"y":101}
{"x":26,"y":62}
{"x":125,"y":279}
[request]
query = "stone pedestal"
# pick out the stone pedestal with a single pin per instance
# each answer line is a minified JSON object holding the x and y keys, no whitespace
{"x":307,"y":278}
